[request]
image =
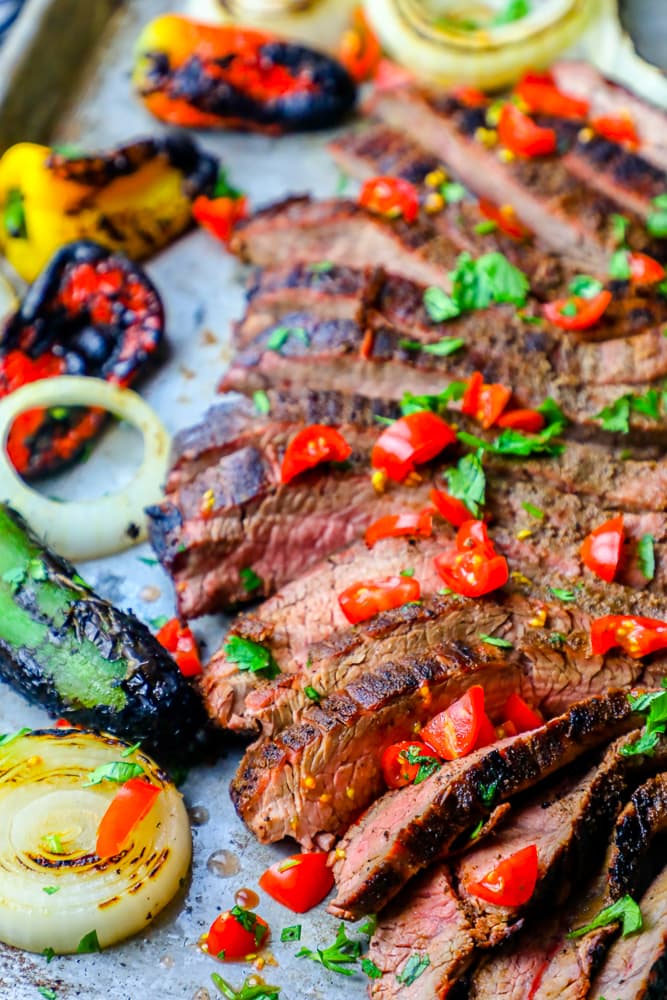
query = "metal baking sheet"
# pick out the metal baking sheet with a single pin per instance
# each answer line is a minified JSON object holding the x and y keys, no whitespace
{"x":202,"y":288}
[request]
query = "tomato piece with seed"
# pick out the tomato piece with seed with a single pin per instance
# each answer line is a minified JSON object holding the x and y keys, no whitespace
{"x":638,"y":636}
{"x":396,"y":767}
{"x":540,"y":94}
{"x":415,"y":523}
{"x":131,"y":803}
{"x":520,"y":714}
{"x":391,"y":197}
{"x":485,"y":402}
{"x":451,"y":508}
{"x":473,"y":534}
{"x":601,"y":549}
{"x":512,"y":882}
{"x":454,"y":732}
{"x":313,"y":445}
{"x":504,"y":217}
{"x":235,"y":934}
{"x":410,"y":441}
{"x":576,"y":312}
{"x":179,"y":640}
{"x":645,"y":270}
{"x":519,"y":133}
{"x":363,"y":600}
{"x":299,"y":882}
{"x":472,"y":574}
{"x":617,"y":128}
{"x":530,"y":421}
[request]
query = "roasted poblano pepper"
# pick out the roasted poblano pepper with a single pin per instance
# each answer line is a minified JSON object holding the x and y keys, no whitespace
{"x":90,"y":312}
{"x":135,"y":198}
{"x":209,"y":76}
{"x":63,"y":646}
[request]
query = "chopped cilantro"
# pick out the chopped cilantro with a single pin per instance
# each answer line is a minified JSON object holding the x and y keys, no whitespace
{"x":569,"y":309}
{"x":321,"y":266}
{"x":619,"y":228}
{"x":261,"y":401}
{"x":370,"y":968}
{"x":563,"y":594}
{"x":467,"y":482}
{"x":159,"y":622}
{"x":147,"y":560}
{"x":281,"y":334}
{"x":487,"y":793}
{"x":619,"y":265}
{"x":252,"y":656}
{"x":517,"y":444}
{"x":494,"y":640}
{"x":47,"y":993}
{"x":292,"y":933}
{"x":452,"y":192}
{"x":438,"y":404}
{"x":646,"y":556}
{"x":249,"y":579}
{"x":51,"y":889}
{"x":616,"y":416}
{"x":49,"y":954}
{"x":656,"y":221}
{"x":533,"y":510}
{"x":427,"y":765}
{"x":584,"y":286}
{"x":413,"y":969}
{"x":369,"y":926}
{"x":223,"y":189}
{"x":556,"y":638}
{"x":88,"y":944}
{"x":130,"y":750}
{"x":312,"y":693}
{"x":37,"y":570}
{"x":118,"y":771}
{"x":625,"y":910}
{"x":441,"y":348}
{"x":339,"y":956}
{"x":250,"y":990}
{"x":478,"y":829}
{"x":514,"y":10}
{"x":439,"y":305}
{"x":654,"y":704}
{"x":407,"y":572}
{"x":485,"y":227}
{"x":249,"y":922}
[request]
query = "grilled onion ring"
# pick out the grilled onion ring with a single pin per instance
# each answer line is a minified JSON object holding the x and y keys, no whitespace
{"x":42,"y":793}
{"x":87,"y":529}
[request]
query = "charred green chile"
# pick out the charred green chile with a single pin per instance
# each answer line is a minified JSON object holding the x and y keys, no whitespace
{"x":68,"y":649}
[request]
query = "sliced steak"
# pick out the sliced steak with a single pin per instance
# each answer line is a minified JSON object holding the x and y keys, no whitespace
{"x":644,"y":818}
{"x":636,"y":967}
{"x":571,"y":218}
{"x":340,"y":231}
{"x":406,"y":830}
{"x":582,"y":80}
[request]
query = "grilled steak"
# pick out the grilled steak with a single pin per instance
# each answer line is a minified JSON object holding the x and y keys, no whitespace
{"x":563,"y":821}
{"x":340,"y":231}
{"x":406,"y":830}
{"x":644,"y":818}
{"x":549,"y":198}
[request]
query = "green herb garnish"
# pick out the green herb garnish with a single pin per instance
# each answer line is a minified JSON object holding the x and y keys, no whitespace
{"x":51,"y":889}
{"x":452,"y":192}
{"x":249,"y":579}
{"x":441,"y":348}
{"x":619,"y":229}
{"x":281,"y":334}
{"x":585,"y":287}
{"x":487,"y":793}
{"x":249,"y":922}
{"x":656,"y":221}
{"x":494,"y":640}
{"x":312,"y":693}
{"x":439,"y":305}
{"x":339,"y":956}
{"x":467,"y":482}
{"x":261,"y":401}
{"x":533,"y":510}
{"x":427,"y":765}
{"x":646,"y":556}
{"x":88,"y":944}
{"x":625,"y":910}
{"x":8,"y":738}
{"x":292,"y":933}
{"x":619,"y":265}
{"x":414,"y":967}
{"x":117,"y":770}
{"x":370,"y":968}
{"x":563,"y":594}
{"x":249,"y":990}
{"x":252,"y":656}
{"x":13,"y":215}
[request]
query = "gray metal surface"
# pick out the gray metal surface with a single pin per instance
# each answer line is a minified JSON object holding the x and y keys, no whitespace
{"x":203,"y":291}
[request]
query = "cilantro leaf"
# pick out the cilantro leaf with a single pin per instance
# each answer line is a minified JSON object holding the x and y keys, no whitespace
{"x":495,"y":640}
{"x":13,"y":215}
{"x":252,"y":656}
{"x":453,"y":192}
{"x":619,"y":228}
{"x":439,"y":305}
{"x":292,"y":933}
{"x":50,"y":890}
{"x":648,"y":404}
{"x":467,"y":482}
{"x":625,"y":910}
{"x":117,"y":770}
{"x":88,"y":944}
{"x":249,"y":922}
{"x":438,"y":404}
{"x":250,"y":990}
{"x":619,"y":265}
{"x":563,"y":594}
{"x":343,"y":953}
{"x":646,"y":556}
{"x":312,"y":693}
{"x":656,"y":221}
{"x":616,"y":416}
{"x":261,"y":401}
{"x":584,"y":286}
{"x":427,"y":765}
{"x":552,"y":412}
{"x":14,"y":577}
{"x":413,"y":969}
{"x":47,"y":993}
{"x":49,"y":954}
{"x":441,"y":348}
{"x":487,"y":793}
{"x":281,"y":334}
{"x":223,"y":189}
{"x":508,"y":283}
{"x":321,"y":266}
{"x":249,"y":579}
{"x":533,"y":510}
{"x":370,"y":968}
{"x":369,"y":926}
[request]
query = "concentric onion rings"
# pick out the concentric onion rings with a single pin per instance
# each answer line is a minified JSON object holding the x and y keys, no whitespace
{"x":87,"y":529}
{"x":54,"y":897}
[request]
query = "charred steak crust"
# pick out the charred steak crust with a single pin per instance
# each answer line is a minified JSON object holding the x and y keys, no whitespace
{"x":643,"y":818}
{"x":404,"y":831}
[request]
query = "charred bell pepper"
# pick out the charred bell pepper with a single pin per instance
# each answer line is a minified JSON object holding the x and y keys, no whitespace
{"x":91,"y":312}
{"x":208,"y":76}
{"x":134,"y":198}
{"x":63,"y":646}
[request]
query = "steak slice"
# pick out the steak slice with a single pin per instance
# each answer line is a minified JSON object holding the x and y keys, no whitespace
{"x":582,"y":80}
{"x":643,"y":819}
{"x":563,"y":820}
{"x":556,"y":205}
{"x":406,"y":830}
{"x":636,"y":967}
{"x":341,"y":231}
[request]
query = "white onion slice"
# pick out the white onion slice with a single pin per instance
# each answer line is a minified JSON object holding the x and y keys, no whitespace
{"x":87,"y":529}
{"x":42,"y":793}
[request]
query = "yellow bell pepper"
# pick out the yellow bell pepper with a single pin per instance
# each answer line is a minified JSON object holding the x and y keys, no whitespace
{"x":135,"y":198}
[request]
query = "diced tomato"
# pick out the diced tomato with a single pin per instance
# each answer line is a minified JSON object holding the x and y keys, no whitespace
{"x":530,"y":421}
{"x":219,"y":215}
{"x":520,"y":714}
{"x":180,"y":642}
{"x":454,"y":732}
{"x":359,"y":49}
{"x":452,"y":509}
{"x":65,"y":724}
{"x":314,"y":444}
{"x":391,"y":197}
{"x":512,"y":882}
{"x":541,"y":95}
{"x":617,"y":128}
{"x":472,"y":574}
{"x":645,"y":270}
{"x":417,"y":523}
{"x":519,"y":133}
{"x":470,"y":96}
{"x":396,"y":768}
{"x":473,"y":534}
{"x":484,"y":401}
{"x":131,"y":803}
{"x":236,"y":934}
{"x":636,"y":635}
{"x":363,"y":600}
{"x":504,"y":217}
{"x":505,"y":729}
{"x":601,"y":549}
{"x":410,"y":441}
{"x":299,"y":882}
{"x":487,"y":733}
{"x":585,"y":312}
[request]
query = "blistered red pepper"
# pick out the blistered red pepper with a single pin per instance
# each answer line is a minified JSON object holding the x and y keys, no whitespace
{"x":644,"y":270}
{"x":180,"y":642}
{"x":90,"y":312}
{"x":636,"y":635}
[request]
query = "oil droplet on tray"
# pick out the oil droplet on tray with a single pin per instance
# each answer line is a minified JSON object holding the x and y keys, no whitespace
{"x":246,"y":898}
{"x":202,"y":994}
{"x":223,"y":864}
{"x":199,"y":815}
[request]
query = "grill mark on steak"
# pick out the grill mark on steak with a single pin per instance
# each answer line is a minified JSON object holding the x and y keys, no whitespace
{"x":556,"y":205}
{"x":644,"y":818}
{"x":564,"y":820}
{"x":406,"y":830}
